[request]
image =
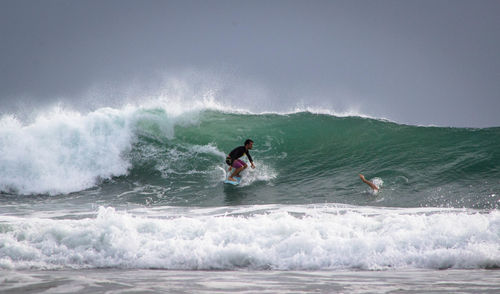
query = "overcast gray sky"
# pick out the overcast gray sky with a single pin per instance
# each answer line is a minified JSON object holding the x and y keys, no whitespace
{"x":418,"y":62}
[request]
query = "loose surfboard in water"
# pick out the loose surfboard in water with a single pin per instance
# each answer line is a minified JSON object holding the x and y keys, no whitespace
{"x":237,"y":182}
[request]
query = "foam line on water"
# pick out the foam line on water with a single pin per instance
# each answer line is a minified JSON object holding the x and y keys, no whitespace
{"x":279,"y":237}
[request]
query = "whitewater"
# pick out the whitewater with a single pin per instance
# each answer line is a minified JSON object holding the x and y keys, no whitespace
{"x":137,"y":191}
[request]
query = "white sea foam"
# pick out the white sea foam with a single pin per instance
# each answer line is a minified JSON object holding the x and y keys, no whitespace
{"x":262,"y":172}
{"x":256,"y":237}
{"x":62,"y":151}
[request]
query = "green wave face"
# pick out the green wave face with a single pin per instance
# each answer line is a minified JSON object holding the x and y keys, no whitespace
{"x":313,"y":158}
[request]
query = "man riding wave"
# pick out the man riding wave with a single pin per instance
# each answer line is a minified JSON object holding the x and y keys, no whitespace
{"x":234,"y":162}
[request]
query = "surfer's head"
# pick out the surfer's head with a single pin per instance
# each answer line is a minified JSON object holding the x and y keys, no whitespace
{"x":248,"y":144}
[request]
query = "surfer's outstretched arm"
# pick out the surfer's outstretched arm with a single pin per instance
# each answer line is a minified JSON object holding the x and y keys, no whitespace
{"x":372,"y":185}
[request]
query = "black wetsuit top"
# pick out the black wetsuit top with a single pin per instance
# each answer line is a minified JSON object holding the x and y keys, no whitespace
{"x":237,"y":153}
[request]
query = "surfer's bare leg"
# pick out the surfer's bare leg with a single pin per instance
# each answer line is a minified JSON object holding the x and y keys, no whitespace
{"x":372,"y":185}
{"x":236,"y":173}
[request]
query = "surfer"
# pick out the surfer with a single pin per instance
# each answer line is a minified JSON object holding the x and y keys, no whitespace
{"x":372,"y":185}
{"x":234,"y":162}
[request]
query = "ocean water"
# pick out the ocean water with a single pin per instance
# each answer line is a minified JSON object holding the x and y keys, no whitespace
{"x":131,"y":199}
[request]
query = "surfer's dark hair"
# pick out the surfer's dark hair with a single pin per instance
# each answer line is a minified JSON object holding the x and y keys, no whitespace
{"x":248,"y":141}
